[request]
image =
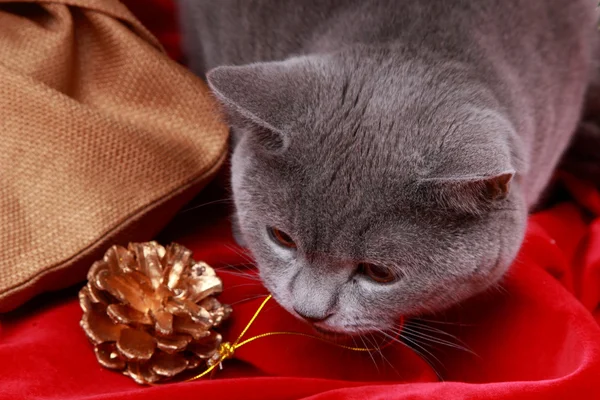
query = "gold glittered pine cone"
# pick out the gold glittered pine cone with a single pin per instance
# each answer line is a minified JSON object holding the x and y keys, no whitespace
{"x":150,"y":311}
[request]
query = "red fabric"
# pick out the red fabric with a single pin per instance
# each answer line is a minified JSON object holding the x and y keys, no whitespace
{"x":536,"y":338}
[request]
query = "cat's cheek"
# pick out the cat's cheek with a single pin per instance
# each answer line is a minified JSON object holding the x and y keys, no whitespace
{"x":236,"y":231}
{"x":276,"y":266}
{"x":510,"y":244}
{"x":276,"y":283}
{"x":239,"y":166}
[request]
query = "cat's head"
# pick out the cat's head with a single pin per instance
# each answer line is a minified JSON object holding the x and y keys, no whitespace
{"x":369,"y":192}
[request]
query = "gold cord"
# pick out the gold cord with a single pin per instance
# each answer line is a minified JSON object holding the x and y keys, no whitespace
{"x":226,"y":350}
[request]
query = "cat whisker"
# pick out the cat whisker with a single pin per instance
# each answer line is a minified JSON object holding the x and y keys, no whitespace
{"x":370,"y":355}
{"x":428,"y":328}
{"x":432,"y":321}
{"x":250,"y":277}
{"x":185,"y":210}
{"x":424,"y":326}
{"x":260,"y":296}
{"x":418,"y":352}
{"x":242,"y":285}
{"x":413,"y":331}
{"x":424,"y":336}
{"x":245,"y":257}
{"x":383,"y":357}
{"x":419,"y":328}
{"x":235,"y":270}
{"x":500,"y":288}
{"x":255,"y":281}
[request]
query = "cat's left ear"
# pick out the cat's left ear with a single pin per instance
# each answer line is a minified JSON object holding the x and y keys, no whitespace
{"x":474,"y":172}
{"x":267,"y":95}
{"x":470,"y":193}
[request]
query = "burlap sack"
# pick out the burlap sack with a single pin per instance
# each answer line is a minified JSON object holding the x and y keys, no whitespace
{"x":102,"y":139}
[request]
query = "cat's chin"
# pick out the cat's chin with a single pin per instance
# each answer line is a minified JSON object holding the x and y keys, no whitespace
{"x":343,"y":338}
{"x":354,"y":339}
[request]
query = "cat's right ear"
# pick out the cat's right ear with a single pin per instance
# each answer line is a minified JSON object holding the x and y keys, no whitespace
{"x":262,"y":98}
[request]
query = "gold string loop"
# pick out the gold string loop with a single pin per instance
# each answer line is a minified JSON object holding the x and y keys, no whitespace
{"x":227,"y":350}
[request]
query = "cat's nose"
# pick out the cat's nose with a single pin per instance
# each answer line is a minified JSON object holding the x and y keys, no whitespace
{"x":311,"y":318}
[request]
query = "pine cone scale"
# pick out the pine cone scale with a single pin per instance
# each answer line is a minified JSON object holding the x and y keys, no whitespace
{"x":122,"y":314}
{"x":169,"y":364}
{"x":141,"y":373}
{"x":136,"y":345}
{"x":106,"y":353}
{"x":99,"y":327}
{"x":173,"y":344}
{"x":164,"y":322}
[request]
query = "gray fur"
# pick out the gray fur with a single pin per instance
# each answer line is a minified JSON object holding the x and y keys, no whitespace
{"x":382,"y":130}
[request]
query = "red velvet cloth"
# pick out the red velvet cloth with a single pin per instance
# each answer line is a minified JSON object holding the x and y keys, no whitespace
{"x":535,"y":338}
{"x":538,"y":337}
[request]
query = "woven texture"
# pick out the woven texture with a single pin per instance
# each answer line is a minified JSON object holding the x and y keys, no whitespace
{"x":102,"y":139}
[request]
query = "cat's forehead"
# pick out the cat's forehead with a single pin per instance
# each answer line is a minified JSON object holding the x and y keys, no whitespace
{"x":387,"y":132}
{"x":362,"y":147}
{"x":347,"y":189}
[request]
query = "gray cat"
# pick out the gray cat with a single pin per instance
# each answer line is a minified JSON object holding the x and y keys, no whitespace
{"x":387,"y":152}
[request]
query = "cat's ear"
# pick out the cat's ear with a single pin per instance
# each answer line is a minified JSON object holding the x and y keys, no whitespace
{"x":470,"y":194}
{"x":474,"y":172}
{"x":263,"y":97}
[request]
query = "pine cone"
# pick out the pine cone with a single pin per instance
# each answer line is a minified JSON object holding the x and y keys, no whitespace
{"x":149,"y":311}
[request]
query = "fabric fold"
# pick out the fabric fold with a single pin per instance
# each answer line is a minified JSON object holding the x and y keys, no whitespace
{"x":102,"y":139}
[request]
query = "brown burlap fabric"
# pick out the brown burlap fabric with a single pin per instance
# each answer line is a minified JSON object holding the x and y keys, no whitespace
{"x":102,"y":139}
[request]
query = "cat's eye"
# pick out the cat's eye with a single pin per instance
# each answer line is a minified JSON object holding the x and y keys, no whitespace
{"x":281,"y":238}
{"x":377,"y":273}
